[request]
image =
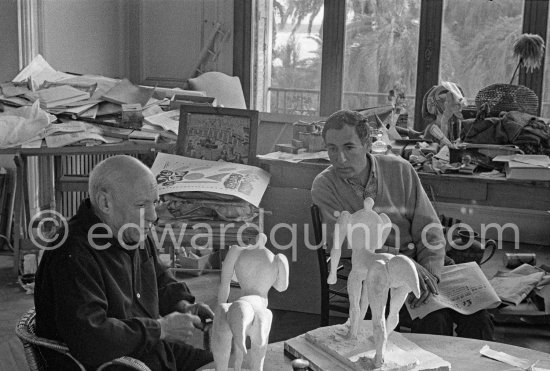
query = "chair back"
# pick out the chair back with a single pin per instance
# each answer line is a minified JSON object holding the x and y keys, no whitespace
{"x":318,"y":235}
{"x":227,"y":90}
{"x":26,"y":332}
{"x":332,"y":299}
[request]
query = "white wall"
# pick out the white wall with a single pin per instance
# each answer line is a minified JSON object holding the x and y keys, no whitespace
{"x":174,"y":34}
{"x":85,"y":36}
{"x":9,"y":52}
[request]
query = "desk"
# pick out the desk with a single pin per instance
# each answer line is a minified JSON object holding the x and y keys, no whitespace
{"x":462,"y":353}
{"x":471,"y":198}
{"x":21,"y":155}
{"x":452,"y":188}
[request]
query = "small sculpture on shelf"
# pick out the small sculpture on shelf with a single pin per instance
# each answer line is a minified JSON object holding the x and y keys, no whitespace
{"x":372,"y":274}
{"x":442,"y":107}
{"x":257,"y":269}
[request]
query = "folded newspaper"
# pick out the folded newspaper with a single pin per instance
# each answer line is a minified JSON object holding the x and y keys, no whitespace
{"x":464,"y":288}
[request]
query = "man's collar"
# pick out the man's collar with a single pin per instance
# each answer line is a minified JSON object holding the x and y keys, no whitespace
{"x":87,"y":215}
{"x":371,"y":173}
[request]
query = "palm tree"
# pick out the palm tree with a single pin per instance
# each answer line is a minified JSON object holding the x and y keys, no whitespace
{"x":382,"y":47}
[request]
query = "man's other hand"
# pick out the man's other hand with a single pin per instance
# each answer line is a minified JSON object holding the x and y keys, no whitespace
{"x":428,"y":286}
{"x":178,"y":327}
{"x":201,"y":310}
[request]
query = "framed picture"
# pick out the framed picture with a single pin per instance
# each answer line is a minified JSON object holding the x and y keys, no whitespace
{"x":217,"y":134}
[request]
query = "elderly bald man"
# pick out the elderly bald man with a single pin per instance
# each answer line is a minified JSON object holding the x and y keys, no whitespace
{"x":104,"y":292}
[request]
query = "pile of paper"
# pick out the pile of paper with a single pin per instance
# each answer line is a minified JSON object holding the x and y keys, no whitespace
{"x":93,"y":99}
{"x":86,"y":96}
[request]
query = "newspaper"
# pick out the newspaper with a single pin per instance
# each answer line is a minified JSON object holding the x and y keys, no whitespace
{"x":464,"y":288}
{"x":185,"y":174}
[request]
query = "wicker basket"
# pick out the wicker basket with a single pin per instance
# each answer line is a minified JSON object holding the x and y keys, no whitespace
{"x":507,"y":97}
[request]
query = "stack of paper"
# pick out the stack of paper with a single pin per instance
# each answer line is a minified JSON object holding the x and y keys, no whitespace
{"x":527,"y":167}
{"x":165,"y":123}
{"x":143,"y":137}
{"x":59,"y":96}
{"x":125,"y":92}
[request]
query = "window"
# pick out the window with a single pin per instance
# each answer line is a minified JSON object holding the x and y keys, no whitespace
{"x":381,"y":53}
{"x":545,"y":107}
{"x":480,"y":54}
{"x":332,"y":54}
{"x":296,"y":57}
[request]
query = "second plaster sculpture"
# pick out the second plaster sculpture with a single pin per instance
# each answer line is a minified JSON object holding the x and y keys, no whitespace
{"x":257,"y":270}
{"x":372,"y":274}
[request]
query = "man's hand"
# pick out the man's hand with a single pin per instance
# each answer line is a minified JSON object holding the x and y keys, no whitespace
{"x":201,"y":310}
{"x":178,"y":327}
{"x":428,"y":286}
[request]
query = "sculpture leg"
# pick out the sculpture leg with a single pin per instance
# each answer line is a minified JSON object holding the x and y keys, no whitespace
{"x":259,"y":338}
{"x":239,"y":356}
{"x":398,"y":297}
{"x":378,"y":309}
{"x":220,"y":342}
{"x":378,"y":284}
{"x":355,"y":285}
{"x":364,"y":301}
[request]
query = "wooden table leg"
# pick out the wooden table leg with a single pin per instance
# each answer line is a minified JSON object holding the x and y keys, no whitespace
{"x":18,"y":212}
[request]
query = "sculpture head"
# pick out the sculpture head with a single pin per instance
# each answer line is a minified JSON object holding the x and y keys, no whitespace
{"x":257,"y":270}
{"x":365,"y":229}
{"x":447,"y":98}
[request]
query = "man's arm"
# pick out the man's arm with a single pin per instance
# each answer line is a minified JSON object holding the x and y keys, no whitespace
{"x":170,"y":291}
{"x":429,"y":241}
{"x":174,"y":295}
{"x":329,"y":206}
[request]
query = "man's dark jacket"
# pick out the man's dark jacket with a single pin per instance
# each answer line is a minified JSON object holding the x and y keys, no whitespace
{"x":103,"y":303}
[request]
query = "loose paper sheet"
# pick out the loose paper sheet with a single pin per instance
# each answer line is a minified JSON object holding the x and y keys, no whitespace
{"x":21,"y":125}
{"x":522,"y":363}
{"x":39,"y":71}
{"x":168,"y":121}
{"x":185,"y":174}
{"x":295,"y":158}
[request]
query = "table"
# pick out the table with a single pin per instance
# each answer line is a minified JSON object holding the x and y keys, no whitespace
{"x":453,"y":188}
{"x":462,"y":353}
{"x":52,"y":177}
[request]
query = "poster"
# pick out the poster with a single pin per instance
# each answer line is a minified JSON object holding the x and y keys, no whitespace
{"x":184,"y":174}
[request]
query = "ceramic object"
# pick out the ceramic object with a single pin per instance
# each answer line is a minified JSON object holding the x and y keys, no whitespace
{"x":466,"y":248}
{"x":257,"y":270}
{"x":372,"y":274}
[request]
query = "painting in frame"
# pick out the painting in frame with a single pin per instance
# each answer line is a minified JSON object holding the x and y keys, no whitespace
{"x":217,"y":134}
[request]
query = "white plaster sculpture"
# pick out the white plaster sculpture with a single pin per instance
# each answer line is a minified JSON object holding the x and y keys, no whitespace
{"x":257,"y":270}
{"x":446,"y":103}
{"x":372,"y":274}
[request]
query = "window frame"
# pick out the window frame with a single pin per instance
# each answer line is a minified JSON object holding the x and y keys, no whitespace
{"x":535,"y":20}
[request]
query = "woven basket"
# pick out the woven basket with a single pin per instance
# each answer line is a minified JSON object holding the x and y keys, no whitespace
{"x":507,"y":97}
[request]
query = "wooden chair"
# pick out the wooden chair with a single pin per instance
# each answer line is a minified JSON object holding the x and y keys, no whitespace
{"x":25,"y":331}
{"x":332,"y":299}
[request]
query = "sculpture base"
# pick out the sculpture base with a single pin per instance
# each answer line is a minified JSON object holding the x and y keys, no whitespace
{"x":329,"y":349}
